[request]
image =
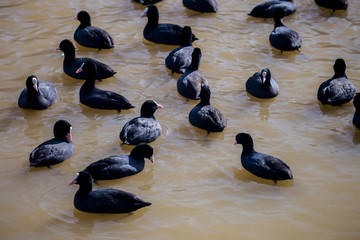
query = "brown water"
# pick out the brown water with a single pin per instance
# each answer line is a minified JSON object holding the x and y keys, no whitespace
{"x":197,"y":186}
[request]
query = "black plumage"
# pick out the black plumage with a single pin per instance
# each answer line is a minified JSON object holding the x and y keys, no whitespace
{"x":105,"y":200}
{"x":119,"y":166}
{"x":164,"y":33}
{"x":143,"y":129}
{"x":72,"y":63}
{"x":205,"y":116}
{"x":260,"y":164}
{"x":210,"y":6}
{"x":262,"y":85}
{"x":55,"y":150}
{"x":94,"y":97}
{"x":338,"y":89}
{"x":267,"y":9}
{"x":90,"y":36}
{"x":37,"y":95}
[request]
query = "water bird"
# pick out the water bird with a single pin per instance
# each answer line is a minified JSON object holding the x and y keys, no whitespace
{"x":338,"y":89}
{"x":190,"y":83}
{"x":164,"y":33}
{"x":356,"y":118}
{"x":261,"y":164}
{"x":179,"y":59}
{"x":37,"y":95}
{"x":72,"y":63}
{"x":55,"y":150}
{"x":282,"y":37}
{"x":205,"y":116}
{"x":333,"y":4}
{"x":262,"y":85}
{"x":90,"y":36}
{"x":202,"y":6}
{"x":119,"y":166}
{"x":94,"y":97}
{"x":267,"y":9}
{"x":143,"y":129}
{"x":105,"y":200}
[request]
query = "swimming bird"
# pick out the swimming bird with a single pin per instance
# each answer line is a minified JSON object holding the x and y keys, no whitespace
{"x":282,"y":37}
{"x":190,"y":83}
{"x":164,"y":33}
{"x":261,"y":164}
{"x":147,"y":2}
{"x":94,"y":97}
{"x":205,"y":116}
{"x":262,"y":85}
{"x":267,"y":9}
{"x":37,"y":94}
{"x":72,"y":63}
{"x":105,"y":200}
{"x":333,"y":4}
{"x":356,"y":118}
{"x":201,"y":5}
{"x":55,"y":150}
{"x":90,"y":36}
{"x":179,"y":59}
{"x":338,"y":89}
{"x":143,"y":129}
{"x":119,"y":166}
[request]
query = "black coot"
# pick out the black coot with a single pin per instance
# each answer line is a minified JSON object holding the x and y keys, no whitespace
{"x":143,"y":129}
{"x":179,"y":59}
{"x":94,"y":97}
{"x":338,"y":89}
{"x":72,"y":63}
{"x":260,"y":164}
{"x":267,"y":9}
{"x":90,"y":36}
{"x":147,"y":2}
{"x":105,"y":200}
{"x":205,"y":116}
{"x":356,"y":118}
{"x":201,"y":5}
{"x":37,"y":94}
{"x":262,"y":85}
{"x":120,"y":166}
{"x":165,"y":33}
{"x":56,"y":150}
{"x":190,"y":83}
{"x":282,"y":37}
{"x":333,"y":4}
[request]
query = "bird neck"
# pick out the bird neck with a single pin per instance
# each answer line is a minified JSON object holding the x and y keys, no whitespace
{"x":85,"y":188}
{"x":248,"y":148}
{"x":69,"y":54}
{"x":153,"y":20}
{"x":278,"y":22}
{"x":339,"y":74}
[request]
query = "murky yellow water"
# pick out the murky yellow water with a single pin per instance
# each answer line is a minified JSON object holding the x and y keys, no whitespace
{"x":197,"y":185}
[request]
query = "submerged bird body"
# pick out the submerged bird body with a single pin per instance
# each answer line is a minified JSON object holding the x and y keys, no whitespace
{"x":163,"y":33}
{"x":56,"y":150}
{"x":356,"y":117}
{"x":205,"y":116}
{"x":143,"y":129}
{"x":37,"y":94}
{"x":260,"y":164}
{"x":262,"y":85}
{"x":120,"y":166}
{"x":267,"y":9}
{"x":201,"y":5}
{"x":94,"y":97}
{"x":72,"y":63}
{"x":106,"y":200}
{"x":90,"y":36}
{"x":338,"y":89}
{"x":333,"y":4}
